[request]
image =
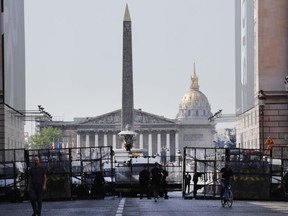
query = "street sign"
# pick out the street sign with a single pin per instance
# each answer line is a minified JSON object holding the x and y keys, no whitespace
{"x":269,"y":141}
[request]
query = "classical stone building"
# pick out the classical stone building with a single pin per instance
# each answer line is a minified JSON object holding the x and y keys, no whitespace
{"x":154,"y":132}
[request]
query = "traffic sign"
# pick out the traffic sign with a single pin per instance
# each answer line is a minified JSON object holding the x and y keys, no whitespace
{"x":269,"y":141}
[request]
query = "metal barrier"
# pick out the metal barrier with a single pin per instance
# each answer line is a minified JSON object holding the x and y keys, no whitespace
{"x":278,"y":159}
{"x":251,"y":169}
{"x":12,"y":175}
{"x":128,"y":166}
{"x":84,"y":173}
{"x":71,"y":173}
{"x":80,"y":173}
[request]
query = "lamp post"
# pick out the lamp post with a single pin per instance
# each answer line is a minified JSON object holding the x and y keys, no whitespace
{"x":261,"y":101}
{"x":128,"y":138}
{"x":217,"y":114}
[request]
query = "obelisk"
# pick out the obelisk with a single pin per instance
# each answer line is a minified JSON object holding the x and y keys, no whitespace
{"x":127,"y":113}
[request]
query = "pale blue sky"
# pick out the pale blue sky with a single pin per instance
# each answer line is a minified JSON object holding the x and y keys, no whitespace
{"x":74,"y":54}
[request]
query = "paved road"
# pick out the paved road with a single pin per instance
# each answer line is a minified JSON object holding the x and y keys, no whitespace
{"x":114,"y":206}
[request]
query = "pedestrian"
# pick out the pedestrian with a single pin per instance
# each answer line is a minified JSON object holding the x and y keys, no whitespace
{"x":187,"y":181}
{"x":144,"y":182}
{"x":156,"y":177}
{"x":37,"y":185}
{"x":195,"y":181}
{"x":164,"y":183}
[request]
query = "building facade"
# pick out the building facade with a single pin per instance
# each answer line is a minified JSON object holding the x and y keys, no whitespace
{"x":12,"y":74}
{"x":261,"y":67}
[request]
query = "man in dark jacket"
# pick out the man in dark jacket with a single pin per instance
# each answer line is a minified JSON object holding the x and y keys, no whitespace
{"x":187,"y":182}
{"x":36,"y":185}
{"x":156,"y":175}
{"x":226,"y":175}
{"x":195,"y":181}
{"x":144,"y":182}
{"x":164,"y":183}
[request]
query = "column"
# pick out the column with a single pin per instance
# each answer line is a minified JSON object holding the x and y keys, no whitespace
{"x":105,"y":139}
{"x":177,"y":143}
{"x":141,"y":141}
{"x":114,"y":141}
{"x":78,"y":141}
{"x":168,"y":146}
{"x":96,"y":140}
{"x":87,"y":140}
{"x":149,"y":144}
{"x":159,"y":143}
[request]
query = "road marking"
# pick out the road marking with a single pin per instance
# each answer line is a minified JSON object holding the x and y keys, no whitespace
{"x":120,"y":209}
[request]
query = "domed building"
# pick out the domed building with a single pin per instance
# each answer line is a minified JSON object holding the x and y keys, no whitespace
{"x":195,"y":130}
{"x":194,"y":105}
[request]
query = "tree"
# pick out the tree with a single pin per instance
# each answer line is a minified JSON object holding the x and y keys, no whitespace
{"x":45,"y":138}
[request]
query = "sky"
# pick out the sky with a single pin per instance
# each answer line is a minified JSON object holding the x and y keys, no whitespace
{"x":74,"y":55}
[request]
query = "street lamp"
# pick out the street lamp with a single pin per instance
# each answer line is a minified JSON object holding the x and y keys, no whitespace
{"x":217,"y":114}
{"x":261,"y":101}
{"x":128,"y":138}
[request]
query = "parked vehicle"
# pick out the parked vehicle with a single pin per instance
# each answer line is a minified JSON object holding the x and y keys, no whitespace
{"x":12,"y":181}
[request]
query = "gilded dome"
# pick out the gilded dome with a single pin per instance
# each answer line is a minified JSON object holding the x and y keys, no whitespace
{"x":194,"y":104}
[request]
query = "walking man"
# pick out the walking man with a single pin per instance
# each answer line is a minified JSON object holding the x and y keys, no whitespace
{"x":164,"y":182}
{"x":195,"y":181}
{"x":156,"y":180}
{"x":36,"y":186}
{"x":144,"y":181}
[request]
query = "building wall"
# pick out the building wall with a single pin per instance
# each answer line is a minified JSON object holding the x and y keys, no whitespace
{"x":244,"y":55}
{"x":272,"y":44}
{"x":12,"y":74}
{"x":14,"y":54}
{"x":270,"y":33}
{"x":193,"y":136}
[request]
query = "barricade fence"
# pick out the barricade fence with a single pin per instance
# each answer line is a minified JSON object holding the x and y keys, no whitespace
{"x":81,"y":173}
{"x":12,"y":174}
{"x":257,"y":175}
{"x":93,"y":172}
{"x":71,"y":173}
{"x":127,"y":171}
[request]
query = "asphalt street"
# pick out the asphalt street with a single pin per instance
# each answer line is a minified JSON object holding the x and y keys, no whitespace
{"x":123,"y":206}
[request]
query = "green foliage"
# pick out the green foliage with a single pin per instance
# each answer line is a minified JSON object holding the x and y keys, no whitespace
{"x":45,"y":138}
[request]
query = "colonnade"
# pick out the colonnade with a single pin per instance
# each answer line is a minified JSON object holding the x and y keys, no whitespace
{"x":162,"y":141}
